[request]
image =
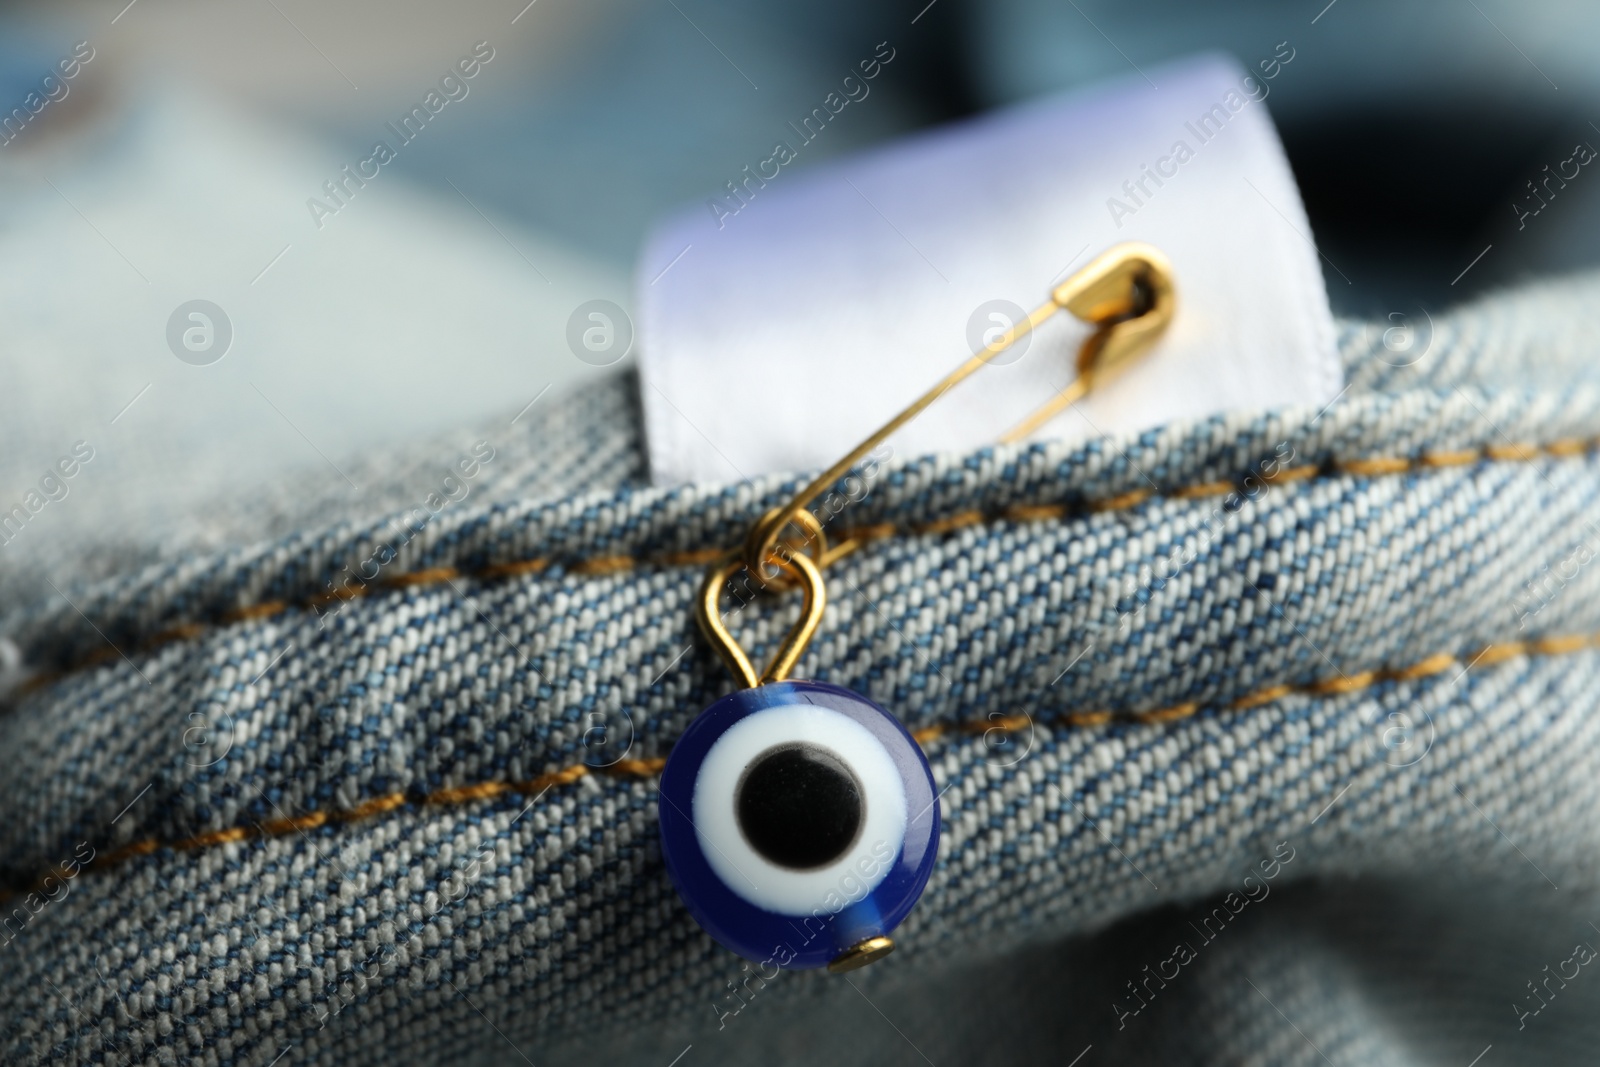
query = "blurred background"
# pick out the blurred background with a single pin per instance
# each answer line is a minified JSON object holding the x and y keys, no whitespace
{"x":176,"y":163}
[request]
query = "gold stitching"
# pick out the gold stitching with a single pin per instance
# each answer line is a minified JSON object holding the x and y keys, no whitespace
{"x":1561,"y":448}
{"x":604,"y":565}
{"x":1380,"y":465}
{"x":1451,"y":459}
{"x":1189,"y":492}
{"x":429,"y":576}
{"x":1346,"y":683}
{"x":264,"y":610}
{"x":514,"y":569}
{"x":1557,"y":646}
{"x":1263,"y":696}
{"x":1513,"y":451}
{"x":1295,"y":474}
{"x":1119,"y":503}
{"x":1034,"y":512}
{"x":1436,"y":664}
{"x":958,"y":521}
{"x":644,"y":768}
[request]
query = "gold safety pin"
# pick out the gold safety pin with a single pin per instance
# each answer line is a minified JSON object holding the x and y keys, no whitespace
{"x":1126,"y":291}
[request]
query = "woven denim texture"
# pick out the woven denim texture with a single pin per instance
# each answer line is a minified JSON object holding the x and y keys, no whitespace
{"x":544,"y":922}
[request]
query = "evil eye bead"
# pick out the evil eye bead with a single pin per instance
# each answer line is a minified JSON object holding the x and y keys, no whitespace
{"x":799,"y":822}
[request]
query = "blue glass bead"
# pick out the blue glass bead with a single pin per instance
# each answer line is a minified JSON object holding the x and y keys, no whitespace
{"x":798,"y":820}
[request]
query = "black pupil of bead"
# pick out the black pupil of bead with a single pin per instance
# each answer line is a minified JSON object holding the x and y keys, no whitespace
{"x":799,"y":806}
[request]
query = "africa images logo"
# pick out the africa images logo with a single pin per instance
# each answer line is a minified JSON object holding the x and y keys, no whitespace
{"x":199,"y":332}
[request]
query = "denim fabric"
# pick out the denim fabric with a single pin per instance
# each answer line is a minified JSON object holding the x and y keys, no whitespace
{"x":371,"y":830}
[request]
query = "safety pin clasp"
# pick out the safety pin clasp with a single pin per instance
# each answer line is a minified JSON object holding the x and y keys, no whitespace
{"x":1127,"y":292}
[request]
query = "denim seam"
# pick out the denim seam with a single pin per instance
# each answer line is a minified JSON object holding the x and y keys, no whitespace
{"x":850,"y":539}
{"x":1431,"y":666}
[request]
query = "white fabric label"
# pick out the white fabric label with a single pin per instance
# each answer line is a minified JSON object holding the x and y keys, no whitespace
{"x":778,"y":329}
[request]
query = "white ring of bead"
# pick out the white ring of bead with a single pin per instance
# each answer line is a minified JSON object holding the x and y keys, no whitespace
{"x":821,"y":890}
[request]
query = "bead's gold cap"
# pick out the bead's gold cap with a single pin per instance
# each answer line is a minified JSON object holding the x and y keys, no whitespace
{"x":857,"y":956}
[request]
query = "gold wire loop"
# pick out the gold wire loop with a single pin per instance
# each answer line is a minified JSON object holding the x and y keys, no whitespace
{"x":1126,"y":292}
{"x":814,"y":542}
{"x":708,"y":610}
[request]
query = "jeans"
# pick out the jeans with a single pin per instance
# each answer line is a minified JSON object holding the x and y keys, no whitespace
{"x":382,"y":789}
